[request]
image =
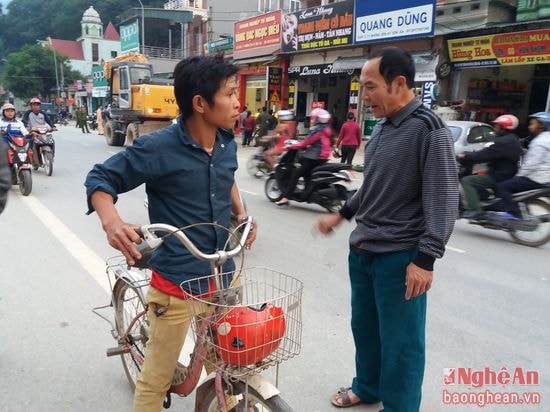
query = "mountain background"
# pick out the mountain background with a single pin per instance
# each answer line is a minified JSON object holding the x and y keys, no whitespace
{"x":26,"y":21}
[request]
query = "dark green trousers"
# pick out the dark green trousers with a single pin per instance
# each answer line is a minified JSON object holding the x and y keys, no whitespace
{"x":388,"y":331}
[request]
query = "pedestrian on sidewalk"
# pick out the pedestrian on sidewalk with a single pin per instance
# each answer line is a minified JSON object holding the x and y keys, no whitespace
{"x":349,"y":139}
{"x":99,"y":119}
{"x":405,"y":212}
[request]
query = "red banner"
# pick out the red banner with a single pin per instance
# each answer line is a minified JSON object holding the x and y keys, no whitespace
{"x":257,"y":36}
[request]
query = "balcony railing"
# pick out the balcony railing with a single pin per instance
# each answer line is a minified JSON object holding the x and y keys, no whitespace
{"x":162,"y":52}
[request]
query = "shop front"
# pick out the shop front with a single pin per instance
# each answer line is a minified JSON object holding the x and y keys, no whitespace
{"x":262,"y":77}
{"x":501,"y":73}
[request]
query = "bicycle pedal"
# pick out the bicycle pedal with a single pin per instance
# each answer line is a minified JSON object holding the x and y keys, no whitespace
{"x":119,"y":350}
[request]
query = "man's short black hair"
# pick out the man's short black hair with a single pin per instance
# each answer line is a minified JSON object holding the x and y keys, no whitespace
{"x":395,"y":62}
{"x":200,"y":76}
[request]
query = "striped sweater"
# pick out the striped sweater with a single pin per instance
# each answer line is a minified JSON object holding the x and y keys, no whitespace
{"x":409,"y":196}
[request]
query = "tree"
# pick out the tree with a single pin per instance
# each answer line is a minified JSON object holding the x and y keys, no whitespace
{"x":29,"y":20}
{"x":31,"y":71}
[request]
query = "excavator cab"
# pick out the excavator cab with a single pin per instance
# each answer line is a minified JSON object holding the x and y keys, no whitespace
{"x":124,"y":76}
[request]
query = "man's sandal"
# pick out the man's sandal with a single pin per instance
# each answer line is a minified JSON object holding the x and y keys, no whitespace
{"x":342,"y":399}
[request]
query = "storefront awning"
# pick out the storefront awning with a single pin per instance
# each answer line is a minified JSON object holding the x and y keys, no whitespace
{"x":252,"y":60}
{"x":349,"y":63}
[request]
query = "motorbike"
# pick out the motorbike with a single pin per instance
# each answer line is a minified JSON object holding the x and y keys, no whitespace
{"x":20,"y":159}
{"x":324,"y":187}
{"x":44,"y":150}
{"x":533,"y":229}
{"x":92,"y":121}
{"x":256,"y":165}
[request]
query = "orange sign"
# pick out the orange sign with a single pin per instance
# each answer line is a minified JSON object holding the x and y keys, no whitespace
{"x":257,"y":36}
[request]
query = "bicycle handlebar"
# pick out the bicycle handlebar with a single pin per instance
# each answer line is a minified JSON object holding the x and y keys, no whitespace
{"x":147,"y":232}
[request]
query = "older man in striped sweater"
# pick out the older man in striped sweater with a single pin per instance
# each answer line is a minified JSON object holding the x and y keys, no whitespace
{"x":405,"y":213}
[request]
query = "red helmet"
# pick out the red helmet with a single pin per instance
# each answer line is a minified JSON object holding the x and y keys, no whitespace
{"x":507,"y":121}
{"x":246,"y":336}
{"x":35,"y":100}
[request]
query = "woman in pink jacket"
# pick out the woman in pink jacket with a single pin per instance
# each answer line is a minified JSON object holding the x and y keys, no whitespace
{"x":349,"y":139}
{"x":317,"y":151}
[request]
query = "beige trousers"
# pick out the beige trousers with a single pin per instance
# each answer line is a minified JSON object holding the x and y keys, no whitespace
{"x":167,"y":335}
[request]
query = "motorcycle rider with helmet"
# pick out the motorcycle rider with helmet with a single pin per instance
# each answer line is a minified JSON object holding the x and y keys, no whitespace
{"x":534,"y":172}
{"x":8,"y":122}
{"x":35,"y":118}
{"x":317,"y":151}
{"x":502,"y":159}
{"x":285,"y":130}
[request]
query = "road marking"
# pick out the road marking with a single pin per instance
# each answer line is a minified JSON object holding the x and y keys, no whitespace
{"x":248,"y":192}
{"x":454,"y":249}
{"x":88,"y":259}
{"x":110,"y":151}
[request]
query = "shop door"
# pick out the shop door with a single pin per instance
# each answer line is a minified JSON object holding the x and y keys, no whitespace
{"x":539,"y":95}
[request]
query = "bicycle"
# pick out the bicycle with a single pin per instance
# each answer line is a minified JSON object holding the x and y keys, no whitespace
{"x":253,"y":322}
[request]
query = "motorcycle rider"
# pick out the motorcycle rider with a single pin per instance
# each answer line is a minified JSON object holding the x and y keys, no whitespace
{"x":9,"y":122}
{"x":534,"y":172}
{"x":502,"y":159}
{"x":285,"y":130}
{"x":35,"y":118}
{"x":318,"y":147}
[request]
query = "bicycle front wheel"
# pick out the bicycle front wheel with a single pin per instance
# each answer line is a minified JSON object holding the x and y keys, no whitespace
{"x":239,"y":402}
{"x":128,"y":302}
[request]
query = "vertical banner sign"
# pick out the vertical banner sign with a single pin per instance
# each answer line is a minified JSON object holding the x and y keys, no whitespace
{"x":427,"y":95}
{"x":274,"y":82}
{"x":129,"y":37}
{"x":291,"y":92}
{"x":98,"y":77}
{"x":257,"y":36}
{"x":318,"y":27}
{"x":391,"y":20}
{"x":354,"y":94}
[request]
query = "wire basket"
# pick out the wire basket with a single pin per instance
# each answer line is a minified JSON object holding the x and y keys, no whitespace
{"x":253,"y":323}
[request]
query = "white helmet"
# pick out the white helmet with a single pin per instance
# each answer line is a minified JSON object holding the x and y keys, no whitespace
{"x":320,"y":115}
{"x":285,"y":115}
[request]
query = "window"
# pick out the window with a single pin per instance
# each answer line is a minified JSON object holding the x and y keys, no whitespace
{"x":440,"y":13}
{"x":95,"y":52}
{"x":294,"y":5}
{"x":268,"y":5}
{"x":475,"y":6}
{"x":457,"y":10}
{"x":113,"y":54}
{"x":87,"y":30}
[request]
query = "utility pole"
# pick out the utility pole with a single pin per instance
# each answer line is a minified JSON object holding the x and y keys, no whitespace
{"x":142,"y":28}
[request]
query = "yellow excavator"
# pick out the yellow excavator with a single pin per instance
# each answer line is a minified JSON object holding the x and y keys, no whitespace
{"x":140,"y":103}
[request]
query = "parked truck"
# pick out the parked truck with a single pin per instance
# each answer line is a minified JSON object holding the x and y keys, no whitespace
{"x":140,"y":103}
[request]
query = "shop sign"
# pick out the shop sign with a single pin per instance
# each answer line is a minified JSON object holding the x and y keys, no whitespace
{"x":257,"y":36}
{"x":129,"y":37}
{"x":353,"y":94}
{"x":220,"y":45}
{"x":291,"y":92}
{"x":316,"y":70}
{"x":274,"y":81}
{"x":391,"y":20}
{"x":427,"y":95}
{"x":98,"y":77}
{"x":318,"y":27}
{"x":527,"y":47}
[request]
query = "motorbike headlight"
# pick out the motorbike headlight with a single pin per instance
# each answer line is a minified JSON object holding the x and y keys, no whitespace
{"x":22,"y":156}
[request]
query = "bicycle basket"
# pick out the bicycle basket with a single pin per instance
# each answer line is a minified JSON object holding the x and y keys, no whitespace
{"x":251,"y":325}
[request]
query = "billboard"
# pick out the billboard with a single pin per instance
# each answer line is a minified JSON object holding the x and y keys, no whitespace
{"x":129,"y":37}
{"x":257,"y":36}
{"x":318,"y":27}
{"x":526,"y":47}
{"x":385,"y":21}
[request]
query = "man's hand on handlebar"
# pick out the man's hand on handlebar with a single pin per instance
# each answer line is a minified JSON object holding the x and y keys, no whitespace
{"x":123,"y":237}
{"x":253,"y":230}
